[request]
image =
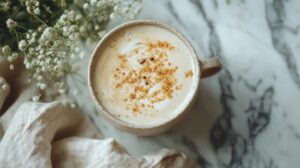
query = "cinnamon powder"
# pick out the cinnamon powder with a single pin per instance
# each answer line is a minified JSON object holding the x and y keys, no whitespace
{"x":155,"y":70}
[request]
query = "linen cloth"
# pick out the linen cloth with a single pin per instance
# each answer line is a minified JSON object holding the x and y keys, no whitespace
{"x":45,"y":135}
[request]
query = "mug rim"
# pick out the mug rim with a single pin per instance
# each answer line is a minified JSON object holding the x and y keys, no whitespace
{"x":129,"y":126}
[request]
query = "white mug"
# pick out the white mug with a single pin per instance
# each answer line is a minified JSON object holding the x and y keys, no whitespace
{"x":204,"y":68}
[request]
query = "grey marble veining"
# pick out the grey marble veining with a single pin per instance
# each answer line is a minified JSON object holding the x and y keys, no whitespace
{"x":247,"y":116}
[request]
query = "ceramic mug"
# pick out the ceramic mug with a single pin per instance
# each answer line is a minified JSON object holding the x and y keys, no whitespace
{"x":203,"y":68}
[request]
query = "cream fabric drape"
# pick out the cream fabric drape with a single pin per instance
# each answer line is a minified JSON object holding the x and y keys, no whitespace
{"x":44,"y":135}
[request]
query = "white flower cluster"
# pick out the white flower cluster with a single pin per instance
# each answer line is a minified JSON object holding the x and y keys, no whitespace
{"x":11,"y":24}
{"x":22,"y":45}
{"x":7,"y":54}
{"x":5,"y":6}
{"x":36,"y":98}
{"x":32,"y":6}
{"x":50,"y":51}
{"x":101,"y":11}
{"x":3,"y":84}
{"x":127,"y":8}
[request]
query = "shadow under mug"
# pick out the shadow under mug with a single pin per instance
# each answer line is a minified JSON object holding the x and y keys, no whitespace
{"x":203,"y":68}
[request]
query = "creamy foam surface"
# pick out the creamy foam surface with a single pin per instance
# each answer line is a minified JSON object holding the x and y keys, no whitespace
{"x":143,"y":75}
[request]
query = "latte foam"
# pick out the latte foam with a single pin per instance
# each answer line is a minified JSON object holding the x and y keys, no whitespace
{"x":143,"y":74}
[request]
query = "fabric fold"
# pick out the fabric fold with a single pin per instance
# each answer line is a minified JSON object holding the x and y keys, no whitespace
{"x":34,"y":135}
{"x":32,"y":130}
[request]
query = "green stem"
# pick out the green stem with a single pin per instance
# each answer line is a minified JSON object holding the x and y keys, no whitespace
{"x":39,"y":19}
{"x":21,"y":27}
{"x":57,"y":13}
{"x":16,"y":35}
{"x":15,"y":12}
{"x":17,"y":38}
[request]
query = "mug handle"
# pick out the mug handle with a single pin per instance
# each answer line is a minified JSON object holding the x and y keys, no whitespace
{"x":209,"y":67}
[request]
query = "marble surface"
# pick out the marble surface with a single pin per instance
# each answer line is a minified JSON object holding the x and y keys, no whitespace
{"x":247,"y":116}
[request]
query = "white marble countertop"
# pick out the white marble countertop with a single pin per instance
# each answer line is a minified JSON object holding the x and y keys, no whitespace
{"x":249,"y":114}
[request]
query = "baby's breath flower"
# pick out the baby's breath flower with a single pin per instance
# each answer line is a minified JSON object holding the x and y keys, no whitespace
{"x":40,"y":28}
{"x":28,"y":66}
{"x":11,"y":24}
{"x":81,"y":55}
{"x":63,"y":18}
{"x":93,"y":2}
{"x":11,"y":67}
{"x":77,"y":49}
{"x":62,"y":91}
{"x":34,"y":34}
{"x":71,"y":15}
{"x":78,"y":17}
{"x":73,"y":28}
{"x":48,"y":35}
{"x":12,"y":57}
{"x":6,"y":50}
{"x":5,"y":6}
{"x":73,"y":105}
{"x":85,"y":6}
{"x":37,"y":11}
{"x":9,"y":59}
{"x":116,"y":7}
{"x":97,"y":27}
{"x":32,"y":6}
{"x":3,"y":84}
{"x":27,"y":36}
{"x":36,"y":98}
{"x":112,"y":16}
{"x":22,"y":45}
{"x":101,"y":34}
{"x":49,"y":46}
{"x":39,"y":78}
{"x":43,"y":86}
{"x":42,"y":51}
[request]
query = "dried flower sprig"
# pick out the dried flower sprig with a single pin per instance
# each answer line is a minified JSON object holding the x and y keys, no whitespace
{"x":46,"y":33}
{"x":3,"y":84}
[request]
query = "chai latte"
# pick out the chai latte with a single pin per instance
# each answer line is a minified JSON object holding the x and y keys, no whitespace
{"x":143,"y":74}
